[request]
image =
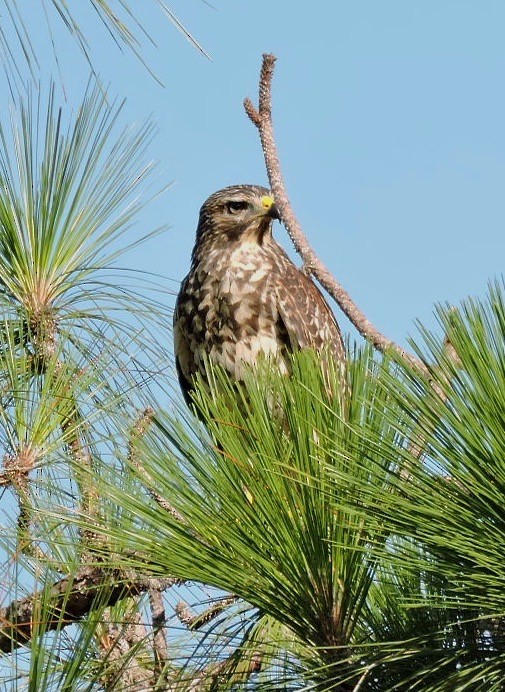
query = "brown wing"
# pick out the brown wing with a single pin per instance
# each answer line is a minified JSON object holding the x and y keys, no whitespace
{"x":305,"y":315}
{"x":184,"y":358}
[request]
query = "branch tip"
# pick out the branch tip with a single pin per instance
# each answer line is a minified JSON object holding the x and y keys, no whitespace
{"x":252,"y":113}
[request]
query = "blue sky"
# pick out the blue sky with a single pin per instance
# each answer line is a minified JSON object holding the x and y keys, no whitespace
{"x":390,"y":125}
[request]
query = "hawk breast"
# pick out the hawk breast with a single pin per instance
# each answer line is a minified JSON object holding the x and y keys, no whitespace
{"x":227,"y":312}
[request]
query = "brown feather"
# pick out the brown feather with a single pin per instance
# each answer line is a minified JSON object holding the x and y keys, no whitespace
{"x":243,"y":295}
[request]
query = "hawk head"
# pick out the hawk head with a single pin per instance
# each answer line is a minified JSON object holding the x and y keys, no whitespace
{"x":240,"y":212}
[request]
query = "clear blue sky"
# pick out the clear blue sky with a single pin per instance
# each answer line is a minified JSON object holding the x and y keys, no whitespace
{"x":390,"y":124}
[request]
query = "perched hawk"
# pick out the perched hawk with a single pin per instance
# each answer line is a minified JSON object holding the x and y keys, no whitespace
{"x":243,"y":296}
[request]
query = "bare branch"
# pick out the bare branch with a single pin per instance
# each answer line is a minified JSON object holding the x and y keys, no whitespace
{"x":159,"y":621}
{"x":194,"y":622}
{"x":69,"y":600}
{"x":138,"y":431}
{"x":17,"y":467}
{"x":73,"y":431}
{"x":124,"y":650}
{"x":262,"y":119}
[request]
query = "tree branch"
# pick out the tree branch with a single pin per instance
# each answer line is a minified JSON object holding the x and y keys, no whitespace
{"x":125,"y":652}
{"x":66,"y":601}
{"x":159,"y":622}
{"x":262,"y":119}
{"x":18,"y":466}
{"x":195,"y":622}
{"x":138,"y":431}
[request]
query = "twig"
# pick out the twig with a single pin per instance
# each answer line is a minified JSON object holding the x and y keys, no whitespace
{"x":72,"y":427}
{"x":159,"y":621}
{"x":194,"y":622}
{"x":262,"y":119}
{"x":139,"y":429}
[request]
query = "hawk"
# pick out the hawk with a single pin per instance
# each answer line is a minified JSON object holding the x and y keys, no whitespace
{"x":243,"y":296}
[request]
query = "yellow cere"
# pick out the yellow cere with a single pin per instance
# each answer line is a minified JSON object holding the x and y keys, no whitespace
{"x":267,"y":201}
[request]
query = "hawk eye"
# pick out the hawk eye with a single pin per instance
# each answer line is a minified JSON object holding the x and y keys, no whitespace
{"x":236,"y":207}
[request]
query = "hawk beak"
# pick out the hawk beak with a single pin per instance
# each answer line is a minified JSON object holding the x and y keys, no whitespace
{"x":274,"y":212}
{"x":270,"y":208}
